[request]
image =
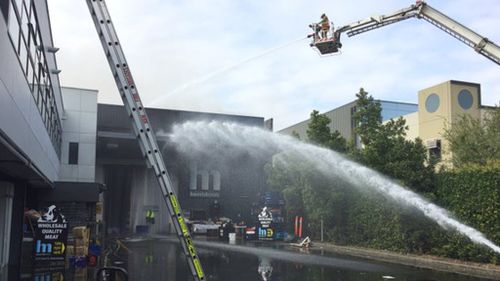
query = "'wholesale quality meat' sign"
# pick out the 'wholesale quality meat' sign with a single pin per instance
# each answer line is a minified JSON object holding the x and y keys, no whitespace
{"x":51,"y":236}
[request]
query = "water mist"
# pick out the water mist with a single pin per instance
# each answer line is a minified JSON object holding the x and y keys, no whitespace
{"x":221,"y":138}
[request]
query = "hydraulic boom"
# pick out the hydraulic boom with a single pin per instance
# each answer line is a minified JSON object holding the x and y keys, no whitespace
{"x":142,"y":127}
{"x":419,"y":10}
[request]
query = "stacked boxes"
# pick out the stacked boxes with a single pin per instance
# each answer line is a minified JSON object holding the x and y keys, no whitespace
{"x":81,"y":274}
{"x":81,"y":235}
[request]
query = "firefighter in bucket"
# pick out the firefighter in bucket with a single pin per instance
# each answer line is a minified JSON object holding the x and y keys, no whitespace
{"x":324,"y":26}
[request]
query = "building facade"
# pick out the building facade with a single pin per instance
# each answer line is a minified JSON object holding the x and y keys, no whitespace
{"x":132,"y":189}
{"x":437,"y":108}
{"x":343,"y":122}
{"x":30,"y":119}
{"x":47,"y":133}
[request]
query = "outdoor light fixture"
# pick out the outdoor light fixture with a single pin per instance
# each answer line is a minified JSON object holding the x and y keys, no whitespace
{"x":55,"y":71}
{"x":52,"y":49}
{"x":47,"y":48}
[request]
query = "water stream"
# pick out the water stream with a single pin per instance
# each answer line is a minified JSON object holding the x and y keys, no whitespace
{"x":203,"y":79}
{"x":226,"y":139}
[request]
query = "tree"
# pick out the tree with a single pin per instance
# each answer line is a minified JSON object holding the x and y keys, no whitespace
{"x":319,"y":133}
{"x":386,"y":149}
{"x":473,"y":141}
{"x":367,"y":116}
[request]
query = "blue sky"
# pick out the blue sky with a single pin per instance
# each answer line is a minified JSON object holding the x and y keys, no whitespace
{"x":197,"y":55}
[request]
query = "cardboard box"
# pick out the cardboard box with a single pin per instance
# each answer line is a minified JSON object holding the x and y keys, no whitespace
{"x":81,"y":242}
{"x":81,"y":251}
{"x":81,"y":232}
{"x":80,"y":274}
{"x":70,"y":250}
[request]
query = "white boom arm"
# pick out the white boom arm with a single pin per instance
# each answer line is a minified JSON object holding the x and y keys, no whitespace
{"x":422,"y":10}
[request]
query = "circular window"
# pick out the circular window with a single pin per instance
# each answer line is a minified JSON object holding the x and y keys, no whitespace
{"x":432,"y":103}
{"x":465,"y":99}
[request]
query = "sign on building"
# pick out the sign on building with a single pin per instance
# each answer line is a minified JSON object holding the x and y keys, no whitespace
{"x":265,"y":232}
{"x":51,"y":236}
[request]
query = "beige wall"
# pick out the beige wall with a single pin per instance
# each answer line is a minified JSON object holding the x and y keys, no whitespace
{"x":432,"y":124}
{"x":412,"y":123}
{"x":424,"y":124}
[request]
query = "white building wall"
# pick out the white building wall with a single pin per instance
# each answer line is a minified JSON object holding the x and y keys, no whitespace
{"x":79,"y":126}
{"x":20,"y":119}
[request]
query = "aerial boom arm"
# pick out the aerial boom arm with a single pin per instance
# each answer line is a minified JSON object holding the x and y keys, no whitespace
{"x":422,"y":10}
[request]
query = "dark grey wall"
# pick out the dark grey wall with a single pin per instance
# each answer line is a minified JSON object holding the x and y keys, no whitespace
{"x":16,"y":233}
{"x":4,"y":7}
{"x":118,"y":153}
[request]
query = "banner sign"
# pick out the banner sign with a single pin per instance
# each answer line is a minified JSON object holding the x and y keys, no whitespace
{"x":265,"y":217}
{"x":204,"y":194}
{"x":265,"y":232}
{"x":51,"y":236}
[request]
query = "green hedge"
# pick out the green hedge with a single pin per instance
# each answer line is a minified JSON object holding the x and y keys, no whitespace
{"x":357,"y":218}
{"x":472,"y":194}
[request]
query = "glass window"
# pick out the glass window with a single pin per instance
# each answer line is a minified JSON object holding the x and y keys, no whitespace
{"x":33,"y":19}
{"x":211,"y":181}
{"x":73,"y":153}
{"x":432,"y":103}
{"x":216,"y":179}
{"x":30,"y":74}
{"x":198,"y":181}
{"x":41,"y":73}
{"x":13,"y":27}
{"x":18,"y":3}
{"x":39,"y":100}
{"x":31,"y":42}
{"x":24,"y":20}
{"x":23,"y":55}
{"x":465,"y":99}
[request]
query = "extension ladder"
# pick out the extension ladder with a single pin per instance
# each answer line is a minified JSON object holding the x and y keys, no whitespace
{"x":142,"y":127}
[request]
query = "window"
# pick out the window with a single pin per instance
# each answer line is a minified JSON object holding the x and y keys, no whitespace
{"x":204,"y":182}
{"x":73,"y":153}
{"x":27,"y":42}
{"x":434,"y":147}
{"x":432,"y":103}
{"x":211,"y":181}
{"x":4,"y":6}
{"x":465,"y":99}
{"x":198,"y":181}
{"x":216,"y":180}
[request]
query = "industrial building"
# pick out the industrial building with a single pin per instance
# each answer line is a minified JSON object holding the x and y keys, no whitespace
{"x":132,"y":189}
{"x":436,"y":109}
{"x":342,"y":118}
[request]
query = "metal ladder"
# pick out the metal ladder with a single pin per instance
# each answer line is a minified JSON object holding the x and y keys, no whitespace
{"x":142,"y":127}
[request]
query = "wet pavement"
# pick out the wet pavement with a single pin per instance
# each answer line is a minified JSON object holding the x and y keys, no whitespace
{"x":162,"y":260}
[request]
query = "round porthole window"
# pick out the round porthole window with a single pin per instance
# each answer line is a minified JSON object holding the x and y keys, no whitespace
{"x":465,"y":99}
{"x":432,"y":103}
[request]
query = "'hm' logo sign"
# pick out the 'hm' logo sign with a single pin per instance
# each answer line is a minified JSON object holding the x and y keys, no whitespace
{"x":43,"y":248}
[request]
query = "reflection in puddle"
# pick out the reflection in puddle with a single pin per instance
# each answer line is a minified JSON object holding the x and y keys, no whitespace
{"x":164,"y":261}
{"x":224,"y":262}
{"x":265,"y":269}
